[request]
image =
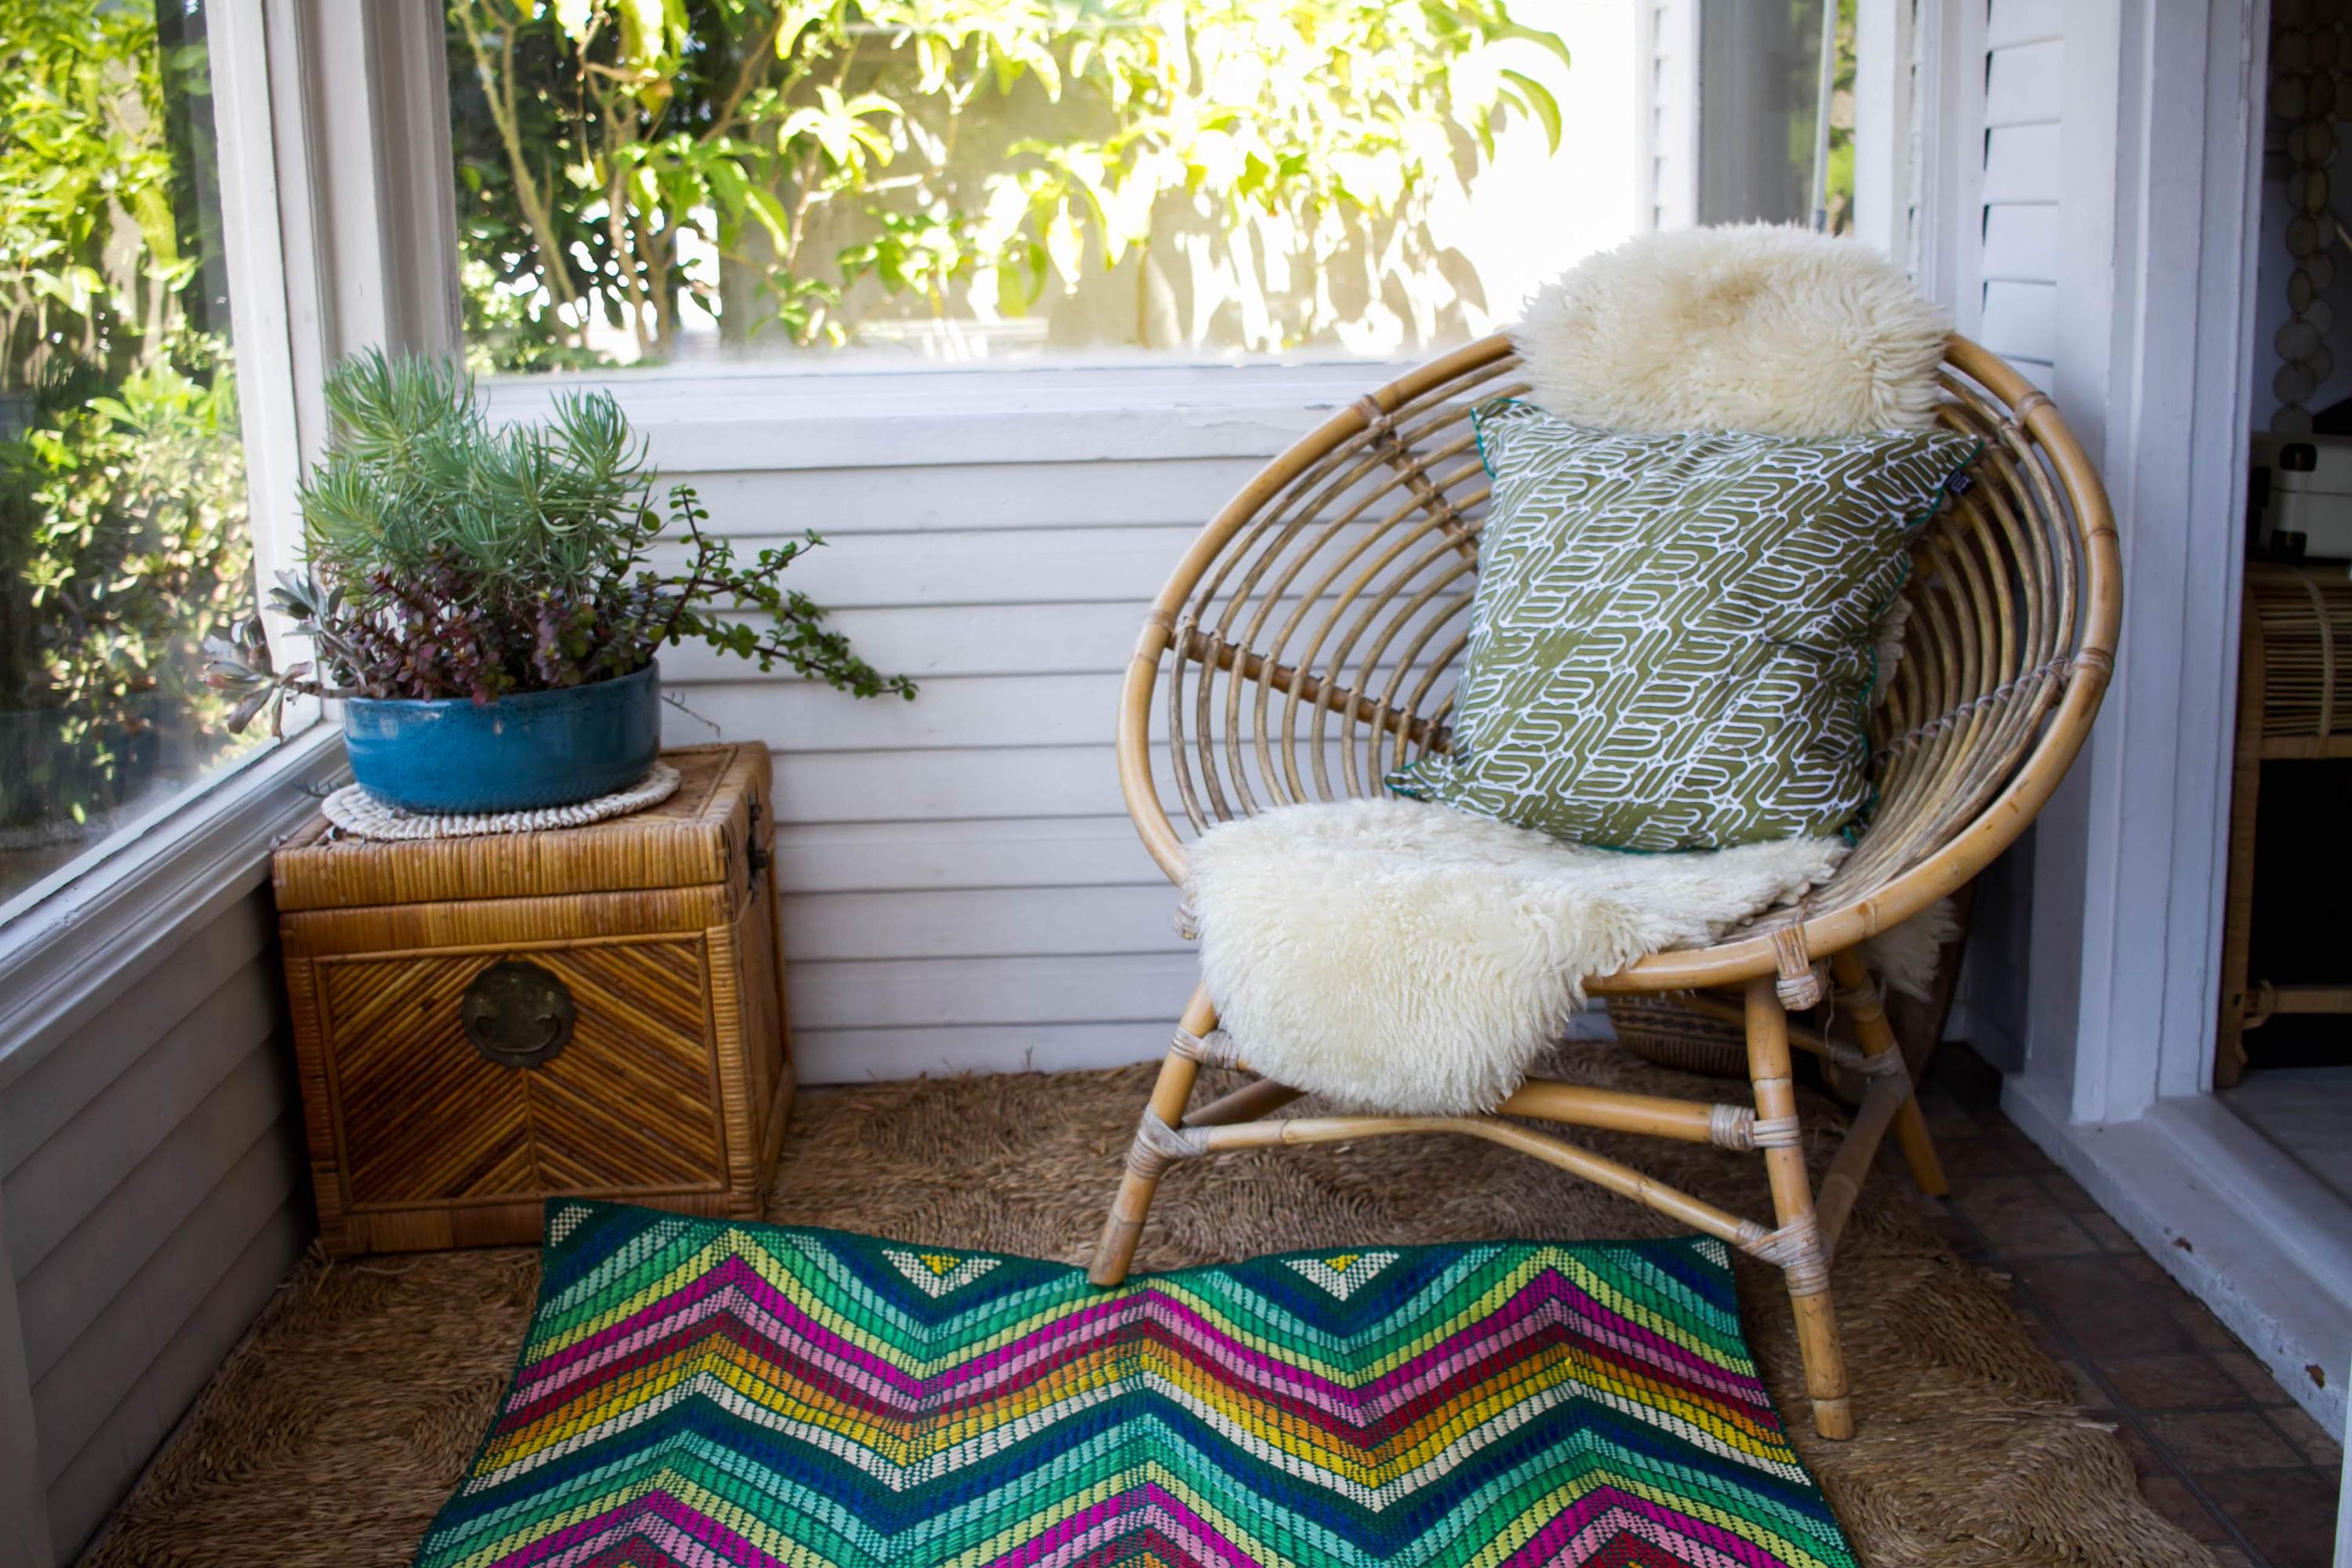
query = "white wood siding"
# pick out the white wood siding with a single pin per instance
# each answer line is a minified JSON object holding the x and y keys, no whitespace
{"x":2016,"y":269}
{"x":962,"y":887}
{"x":2015,"y":239}
{"x":151,"y":1196}
{"x":1992,"y":100}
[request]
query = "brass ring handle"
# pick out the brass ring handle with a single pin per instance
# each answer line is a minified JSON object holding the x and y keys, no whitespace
{"x":517,"y":1015}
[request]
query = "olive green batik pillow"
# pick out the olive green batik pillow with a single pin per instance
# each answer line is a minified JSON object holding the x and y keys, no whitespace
{"x":1672,"y":646}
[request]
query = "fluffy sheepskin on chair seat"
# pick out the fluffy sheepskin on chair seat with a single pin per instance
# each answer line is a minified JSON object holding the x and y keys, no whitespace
{"x":1417,"y":960}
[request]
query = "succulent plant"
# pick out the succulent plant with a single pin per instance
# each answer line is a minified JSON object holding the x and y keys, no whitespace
{"x":447,"y":558}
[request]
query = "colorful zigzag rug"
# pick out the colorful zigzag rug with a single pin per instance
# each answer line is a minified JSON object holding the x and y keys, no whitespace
{"x":701,"y":1393}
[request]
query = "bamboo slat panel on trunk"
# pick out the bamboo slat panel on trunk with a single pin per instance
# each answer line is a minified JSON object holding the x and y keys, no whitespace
{"x":656,"y":1067}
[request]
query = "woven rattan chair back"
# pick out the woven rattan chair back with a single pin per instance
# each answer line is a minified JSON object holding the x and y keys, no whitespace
{"x":1310,"y":641}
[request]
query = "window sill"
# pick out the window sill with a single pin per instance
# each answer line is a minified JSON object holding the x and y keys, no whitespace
{"x":64,"y":957}
{"x":724,"y":417}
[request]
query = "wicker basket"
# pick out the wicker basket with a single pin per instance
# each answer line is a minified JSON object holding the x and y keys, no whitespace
{"x":1670,"y":1029}
{"x":481,"y":1023}
{"x":1706,"y":1033}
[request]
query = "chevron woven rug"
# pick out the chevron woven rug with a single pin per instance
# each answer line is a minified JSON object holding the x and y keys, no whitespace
{"x":702,"y":1394}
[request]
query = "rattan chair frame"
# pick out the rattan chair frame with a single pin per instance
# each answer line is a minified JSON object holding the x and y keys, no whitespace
{"x":1317,"y":620}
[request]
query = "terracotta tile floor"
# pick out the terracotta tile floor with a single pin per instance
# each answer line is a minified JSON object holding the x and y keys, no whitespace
{"x":2221,"y":1448}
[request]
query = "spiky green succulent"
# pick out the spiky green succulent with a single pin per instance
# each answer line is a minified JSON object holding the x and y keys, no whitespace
{"x":448,"y":557}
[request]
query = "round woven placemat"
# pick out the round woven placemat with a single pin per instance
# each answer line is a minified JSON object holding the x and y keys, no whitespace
{"x":331,"y":1437}
{"x":355,"y":811}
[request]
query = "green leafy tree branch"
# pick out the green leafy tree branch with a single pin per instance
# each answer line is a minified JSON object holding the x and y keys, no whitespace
{"x":123,"y":507}
{"x":811,"y":145}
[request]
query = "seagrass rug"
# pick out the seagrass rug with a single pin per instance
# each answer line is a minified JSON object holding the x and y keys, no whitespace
{"x":693,"y":1392}
{"x":353,"y":1411}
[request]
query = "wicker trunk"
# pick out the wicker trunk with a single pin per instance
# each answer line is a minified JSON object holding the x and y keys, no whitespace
{"x":483,"y":1023}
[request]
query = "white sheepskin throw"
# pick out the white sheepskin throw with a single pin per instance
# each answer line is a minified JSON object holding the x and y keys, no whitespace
{"x":1414,"y":959}
{"x":1908,"y":956}
{"x":1745,"y":327}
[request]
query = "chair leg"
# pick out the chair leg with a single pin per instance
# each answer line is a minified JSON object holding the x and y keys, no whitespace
{"x":1124,"y":1227}
{"x":1807,"y":1272}
{"x":1877,"y":1036}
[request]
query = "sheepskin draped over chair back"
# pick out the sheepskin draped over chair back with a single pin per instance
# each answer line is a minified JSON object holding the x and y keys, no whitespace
{"x":1310,"y":641}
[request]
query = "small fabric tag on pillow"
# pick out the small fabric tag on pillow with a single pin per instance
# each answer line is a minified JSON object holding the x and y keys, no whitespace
{"x":1672,"y":645}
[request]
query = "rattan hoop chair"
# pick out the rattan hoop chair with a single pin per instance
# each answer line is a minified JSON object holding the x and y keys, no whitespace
{"x":1307,"y":641}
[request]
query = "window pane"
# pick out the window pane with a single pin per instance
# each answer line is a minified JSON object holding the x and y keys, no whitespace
{"x":122,"y":508}
{"x":1762,"y":157}
{"x":947,"y":180}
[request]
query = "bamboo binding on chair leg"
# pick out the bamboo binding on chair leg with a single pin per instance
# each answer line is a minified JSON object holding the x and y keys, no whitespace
{"x":1862,"y":999}
{"x":1804,"y":1259}
{"x":1145,"y":1160}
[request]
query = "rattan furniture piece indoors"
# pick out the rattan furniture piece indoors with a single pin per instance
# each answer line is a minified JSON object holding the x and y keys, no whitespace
{"x":1307,"y":642}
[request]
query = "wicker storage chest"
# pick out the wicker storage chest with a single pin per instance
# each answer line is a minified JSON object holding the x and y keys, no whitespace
{"x":482,"y":1023}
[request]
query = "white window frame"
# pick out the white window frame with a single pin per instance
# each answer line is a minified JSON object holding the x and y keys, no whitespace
{"x":718,"y":420}
{"x":1885,"y":136}
{"x":303,"y":93}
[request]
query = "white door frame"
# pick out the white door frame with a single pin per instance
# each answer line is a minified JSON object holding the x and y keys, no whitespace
{"x":2160,"y":149}
{"x":2155,"y":323}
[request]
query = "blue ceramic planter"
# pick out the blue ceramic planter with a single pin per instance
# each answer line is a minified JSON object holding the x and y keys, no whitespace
{"x":519,"y":753}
